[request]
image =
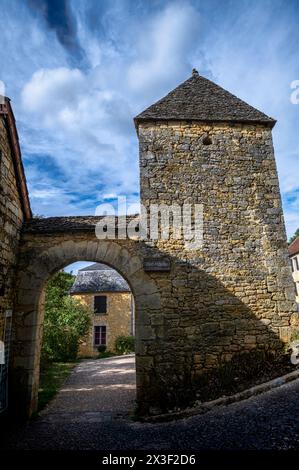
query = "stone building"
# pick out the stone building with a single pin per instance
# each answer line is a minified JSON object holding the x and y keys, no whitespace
{"x":109,"y":298}
{"x":201,"y":144}
{"x":195,"y":308}
{"x":14,"y":211}
{"x":294,"y":257}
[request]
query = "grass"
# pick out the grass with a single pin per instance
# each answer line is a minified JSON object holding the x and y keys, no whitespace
{"x":51,"y":379}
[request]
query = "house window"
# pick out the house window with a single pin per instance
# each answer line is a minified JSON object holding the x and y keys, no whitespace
{"x":297,"y":264}
{"x":100,"y":304}
{"x":100,"y":335}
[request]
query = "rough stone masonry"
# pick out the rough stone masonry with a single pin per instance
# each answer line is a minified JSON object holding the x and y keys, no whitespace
{"x":14,"y":209}
{"x":200,"y":144}
{"x":235,"y":294}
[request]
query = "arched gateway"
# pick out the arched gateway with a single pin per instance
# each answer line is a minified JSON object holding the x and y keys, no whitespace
{"x":197,"y":307}
{"x":48,"y":245}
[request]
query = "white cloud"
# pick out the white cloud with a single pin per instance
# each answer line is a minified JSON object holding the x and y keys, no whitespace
{"x":292,"y":221}
{"x":74,"y":267}
{"x":259,"y":68}
{"x":163,"y":49}
{"x":52,"y":91}
{"x":80,"y":116}
{"x":83,"y":119}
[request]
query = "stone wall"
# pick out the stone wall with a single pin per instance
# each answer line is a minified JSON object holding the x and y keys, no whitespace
{"x":117,"y":320}
{"x":235,"y":294}
{"x":11,"y":219}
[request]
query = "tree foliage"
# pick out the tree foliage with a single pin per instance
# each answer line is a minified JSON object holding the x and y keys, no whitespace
{"x":296,"y":234}
{"x":66,"y":320}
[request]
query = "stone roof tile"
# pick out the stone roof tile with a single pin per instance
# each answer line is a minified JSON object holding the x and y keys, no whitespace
{"x":84,"y":223}
{"x":98,"y":278}
{"x":199,"y":99}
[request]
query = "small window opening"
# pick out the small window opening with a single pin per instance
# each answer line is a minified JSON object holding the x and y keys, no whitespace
{"x":207,"y":140}
{"x":100,"y":304}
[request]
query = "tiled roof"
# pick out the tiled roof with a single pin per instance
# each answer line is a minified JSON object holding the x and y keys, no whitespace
{"x":96,"y":267}
{"x":199,"y":99}
{"x":85,"y":223}
{"x":294,"y":247}
{"x":99,"y":278}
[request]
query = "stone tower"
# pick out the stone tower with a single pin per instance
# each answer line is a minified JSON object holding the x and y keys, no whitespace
{"x":201,"y":144}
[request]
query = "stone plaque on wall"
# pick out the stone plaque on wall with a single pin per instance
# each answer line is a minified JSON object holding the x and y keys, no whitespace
{"x":156,"y":264}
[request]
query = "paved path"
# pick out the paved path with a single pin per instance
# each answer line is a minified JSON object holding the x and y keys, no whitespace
{"x":92,"y":410}
{"x":96,"y":391}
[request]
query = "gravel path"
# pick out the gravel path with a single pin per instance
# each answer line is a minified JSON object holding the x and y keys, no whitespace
{"x":92,"y":410}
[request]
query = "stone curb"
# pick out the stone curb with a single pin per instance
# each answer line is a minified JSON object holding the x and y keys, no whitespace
{"x":209,"y":405}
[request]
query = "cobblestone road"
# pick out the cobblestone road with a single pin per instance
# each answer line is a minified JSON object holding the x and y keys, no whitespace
{"x":92,"y":411}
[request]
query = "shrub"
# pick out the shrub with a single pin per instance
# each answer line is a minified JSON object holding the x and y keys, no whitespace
{"x":101,"y":348}
{"x":125,"y":344}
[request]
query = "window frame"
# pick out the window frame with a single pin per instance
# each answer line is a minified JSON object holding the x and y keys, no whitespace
{"x":102,"y":332}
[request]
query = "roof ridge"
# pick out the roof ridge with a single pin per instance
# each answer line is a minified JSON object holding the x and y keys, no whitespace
{"x":95,"y":281}
{"x":200,"y":99}
{"x":92,"y":267}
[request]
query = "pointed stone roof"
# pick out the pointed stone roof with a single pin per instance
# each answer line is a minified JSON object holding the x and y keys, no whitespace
{"x":199,"y":99}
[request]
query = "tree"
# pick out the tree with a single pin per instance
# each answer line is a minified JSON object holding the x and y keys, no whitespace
{"x":296,"y":234}
{"x":66,"y":320}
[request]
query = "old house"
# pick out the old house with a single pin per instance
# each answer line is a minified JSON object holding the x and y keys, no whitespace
{"x":111,"y":304}
{"x":294,"y":257}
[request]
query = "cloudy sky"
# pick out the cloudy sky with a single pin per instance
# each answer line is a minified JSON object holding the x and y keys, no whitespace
{"x":78,"y":71}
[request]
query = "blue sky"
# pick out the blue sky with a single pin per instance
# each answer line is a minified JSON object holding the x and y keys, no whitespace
{"x":78,"y":71}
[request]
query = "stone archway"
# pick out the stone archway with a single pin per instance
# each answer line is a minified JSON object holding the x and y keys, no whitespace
{"x":38,"y":262}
